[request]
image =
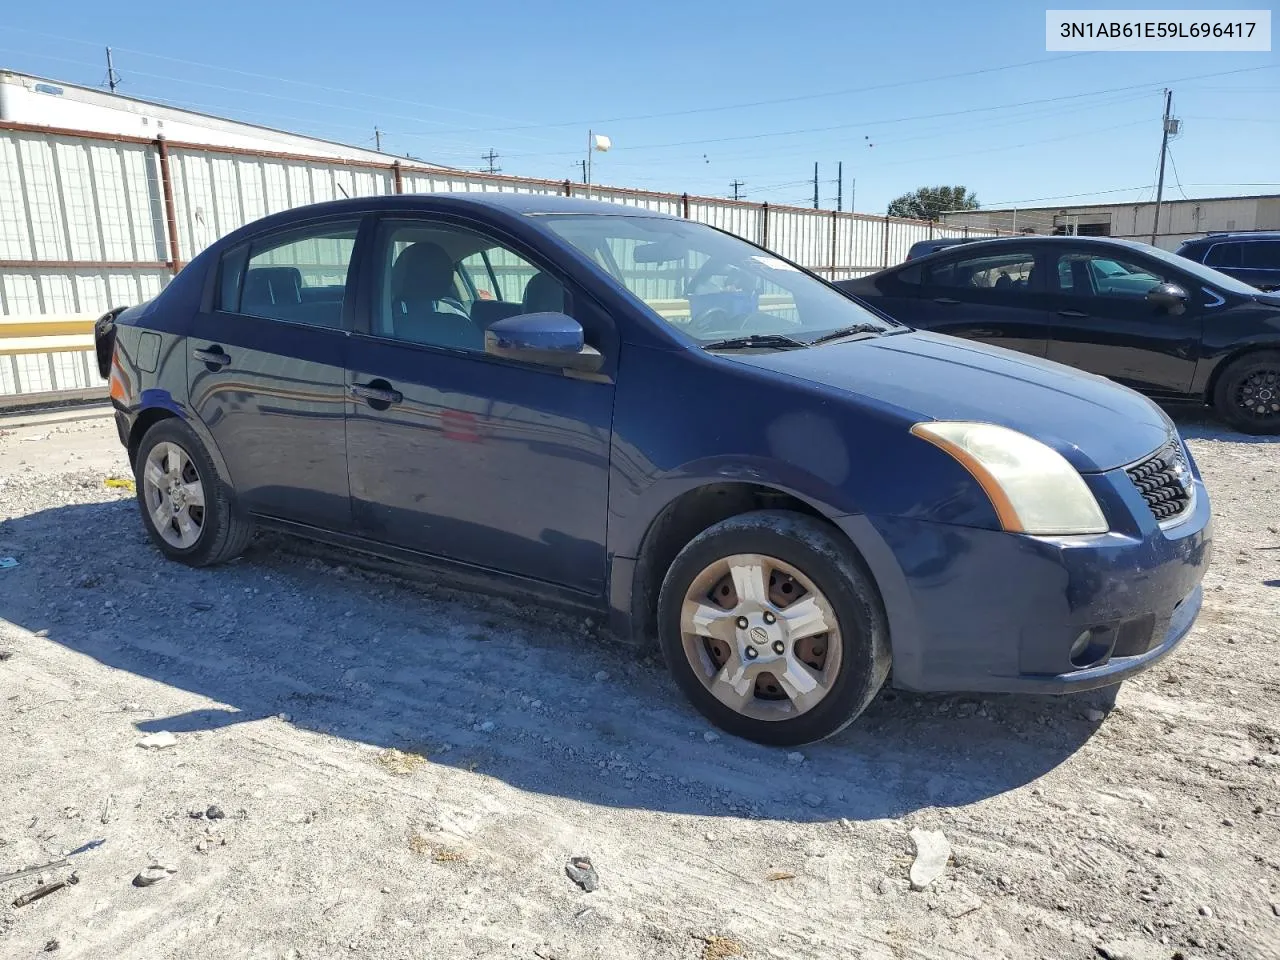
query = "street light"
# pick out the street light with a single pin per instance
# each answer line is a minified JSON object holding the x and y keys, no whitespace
{"x":596,"y":141}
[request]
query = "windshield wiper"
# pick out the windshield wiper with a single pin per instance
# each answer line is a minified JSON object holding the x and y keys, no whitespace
{"x":774,"y":340}
{"x":848,"y":331}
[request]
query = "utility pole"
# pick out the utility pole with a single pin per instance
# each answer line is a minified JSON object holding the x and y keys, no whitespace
{"x":377,"y":139}
{"x":853,"y":195}
{"x":839,"y":186}
{"x":1169,"y":125}
{"x":113,"y":78}
{"x":490,"y":157}
{"x":737,"y":186}
{"x":586,"y":177}
{"x":815,"y":184}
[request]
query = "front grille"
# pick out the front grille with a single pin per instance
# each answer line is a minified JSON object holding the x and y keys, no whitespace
{"x":1164,"y":480}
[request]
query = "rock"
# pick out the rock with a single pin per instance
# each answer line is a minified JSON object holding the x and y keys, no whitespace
{"x":202,"y":846}
{"x":200,"y":607}
{"x":795,"y":757}
{"x":1206,"y":912}
{"x":386,"y":889}
{"x":961,"y":902}
{"x":812,"y":800}
{"x":51,"y":945}
{"x":1228,"y":822}
{"x":41,"y":633}
{"x":487,"y":727}
{"x":153,"y":874}
{"x":581,"y":871}
{"x":214,"y":812}
{"x":1095,"y":716}
{"x":1275,"y":907}
{"x":195,"y":814}
{"x":602,"y":676}
{"x":285,"y":717}
{"x":932,"y":853}
{"x":158,"y":740}
{"x":1130,"y":950}
{"x":1004,"y":882}
{"x":711,"y":736}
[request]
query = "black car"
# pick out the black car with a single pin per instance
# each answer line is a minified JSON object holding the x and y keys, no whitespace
{"x":1251,"y":257}
{"x":1159,"y":323}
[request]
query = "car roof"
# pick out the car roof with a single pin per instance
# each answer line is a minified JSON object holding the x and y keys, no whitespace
{"x":996,"y":242}
{"x":1237,"y":235}
{"x":518,"y":203}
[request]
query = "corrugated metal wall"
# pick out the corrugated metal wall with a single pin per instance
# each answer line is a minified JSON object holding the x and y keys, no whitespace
{"x":84,"y":222}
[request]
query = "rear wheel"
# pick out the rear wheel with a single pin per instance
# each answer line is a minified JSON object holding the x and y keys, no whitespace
{"x":1247,"y":395}
{"x":773,"y":629}
{"x":187,"y":507}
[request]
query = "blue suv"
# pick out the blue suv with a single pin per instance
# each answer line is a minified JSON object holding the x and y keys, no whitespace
{"x":1251,"y":257}
{"x":789,"y":494}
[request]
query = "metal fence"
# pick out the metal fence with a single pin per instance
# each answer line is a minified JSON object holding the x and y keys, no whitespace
{"x":90,"y":220}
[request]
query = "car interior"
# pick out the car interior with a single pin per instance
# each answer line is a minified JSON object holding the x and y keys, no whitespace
{"x":446,"y":287}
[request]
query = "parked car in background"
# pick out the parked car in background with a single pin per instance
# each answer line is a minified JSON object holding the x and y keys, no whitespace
{"x":644,"y":417}
{"x":922,"y":248}
{"x":1251,"y":257}
{"x":1171,"y":328}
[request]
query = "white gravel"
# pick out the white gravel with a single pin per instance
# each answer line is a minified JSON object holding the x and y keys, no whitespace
{"x":446,"y":754}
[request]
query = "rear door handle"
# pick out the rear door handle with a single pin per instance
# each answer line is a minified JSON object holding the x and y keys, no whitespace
{"x":373,"y":395}
{"x":213,"y":356}
{"x":1078,"y":314}
{"x":946,"y":300}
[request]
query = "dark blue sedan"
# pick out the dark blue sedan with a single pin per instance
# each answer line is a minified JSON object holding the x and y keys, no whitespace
{"x":629,"y":413}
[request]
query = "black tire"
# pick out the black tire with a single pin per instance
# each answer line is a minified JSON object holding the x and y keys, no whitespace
{"x":830,"y":562}
{"x":225,"y":530}
{"x":1237,"y":394}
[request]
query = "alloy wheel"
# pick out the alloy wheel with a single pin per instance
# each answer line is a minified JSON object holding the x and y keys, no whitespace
{"x":761,"y":636}
{"x":1258,"y":394}
{"x":174,"y":495}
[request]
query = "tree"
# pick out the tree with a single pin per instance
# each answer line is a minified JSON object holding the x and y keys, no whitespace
{"x":929,"y":203}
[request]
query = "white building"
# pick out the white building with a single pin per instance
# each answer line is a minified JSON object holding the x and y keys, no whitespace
{"x":1179,"y":219}
{"x":52,"y":103}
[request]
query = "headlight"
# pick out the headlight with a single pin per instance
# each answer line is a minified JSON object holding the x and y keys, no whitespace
{"x":1032,"y":487}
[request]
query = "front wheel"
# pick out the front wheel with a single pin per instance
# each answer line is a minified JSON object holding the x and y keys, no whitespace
{"x":1247,"y":395}
{"x":772,"y":627}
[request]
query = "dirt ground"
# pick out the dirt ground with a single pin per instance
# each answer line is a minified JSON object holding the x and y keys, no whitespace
{"x":404,"y":770}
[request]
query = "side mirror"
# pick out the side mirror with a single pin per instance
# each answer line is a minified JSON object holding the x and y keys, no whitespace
{"x":548,"y":339}
{"x":1168,"y":296}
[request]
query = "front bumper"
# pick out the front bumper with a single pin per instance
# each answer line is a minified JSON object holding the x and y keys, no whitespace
{"x":988,"y":611}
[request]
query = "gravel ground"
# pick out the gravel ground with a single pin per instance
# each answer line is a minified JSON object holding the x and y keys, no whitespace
{"x":404,"y":770}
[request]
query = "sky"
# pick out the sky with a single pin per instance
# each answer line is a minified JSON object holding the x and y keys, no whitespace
{"x":697,"y":95}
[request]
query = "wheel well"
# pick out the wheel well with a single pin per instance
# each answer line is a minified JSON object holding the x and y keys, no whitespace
{"x":1212,"y":386}
{"x":141,"y":424}
{"x":682,"y":520}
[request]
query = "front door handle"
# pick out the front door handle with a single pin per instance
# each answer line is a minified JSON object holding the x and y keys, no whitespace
{"x":946,"y":300}
{"x":1078,"y":314}
{"x":374,"y":395}
{"x":213,"y":356}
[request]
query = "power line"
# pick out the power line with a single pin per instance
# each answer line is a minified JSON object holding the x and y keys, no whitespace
{"x":923,"y":116}
{"x":737,"y":186}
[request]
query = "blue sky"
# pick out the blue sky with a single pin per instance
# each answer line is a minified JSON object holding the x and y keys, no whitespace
{"x":689,"y":92}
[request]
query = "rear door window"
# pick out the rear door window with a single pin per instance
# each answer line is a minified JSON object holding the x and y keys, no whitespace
{"x":1260,"y":255}
{"x":1009,"y":271}
{"x":1091,"y":275}
{"x":299,"y":276}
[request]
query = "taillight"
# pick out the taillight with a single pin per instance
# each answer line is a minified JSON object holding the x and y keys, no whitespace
{"x":104,"y":339}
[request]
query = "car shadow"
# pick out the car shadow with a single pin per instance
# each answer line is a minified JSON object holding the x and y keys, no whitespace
{"x":541,"y":700}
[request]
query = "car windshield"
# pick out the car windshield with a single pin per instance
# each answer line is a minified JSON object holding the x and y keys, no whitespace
{"x":713,"y":286}
{"x":1202,"y":273}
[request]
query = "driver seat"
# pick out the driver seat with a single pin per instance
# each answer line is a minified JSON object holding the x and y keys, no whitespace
{"x":422,"y":284}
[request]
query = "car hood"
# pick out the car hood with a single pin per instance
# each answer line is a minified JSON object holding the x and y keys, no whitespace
{"x":1095,"y":423}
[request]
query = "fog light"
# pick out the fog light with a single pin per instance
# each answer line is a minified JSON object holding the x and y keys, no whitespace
{"x":1081,"y":645}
